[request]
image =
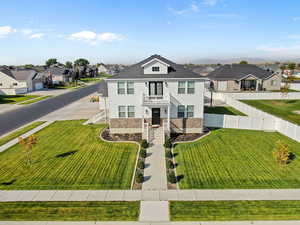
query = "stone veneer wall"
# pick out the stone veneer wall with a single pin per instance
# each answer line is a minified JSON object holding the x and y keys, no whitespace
{"x":187,"y":125}
{"x":125,"y":125}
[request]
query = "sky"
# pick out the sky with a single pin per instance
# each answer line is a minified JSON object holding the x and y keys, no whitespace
{"x":119,"y":31}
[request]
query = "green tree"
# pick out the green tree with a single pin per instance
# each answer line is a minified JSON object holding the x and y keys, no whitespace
{"x":28,"y":66}
{"x":81,"y":62}
{"x":69,"y":65}
{"x":292,"y":66}
{"x":243,"y":62}
{"x":51,"y":61}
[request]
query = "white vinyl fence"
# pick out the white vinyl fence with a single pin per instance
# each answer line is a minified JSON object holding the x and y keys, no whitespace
{"x":257,"y":95}
{"x":295,"y":86}
{"x":256,"y":119}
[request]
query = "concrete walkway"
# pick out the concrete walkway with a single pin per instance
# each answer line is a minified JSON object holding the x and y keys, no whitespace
{"x":16,"y":140}
{"x":142,"y":195}
{"x":155,"y":171}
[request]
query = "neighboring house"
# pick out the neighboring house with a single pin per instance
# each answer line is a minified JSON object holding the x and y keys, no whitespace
{"x":59,"y":75}
{"x":202,"y":70}
{"x":19,"y":81}
{"x":102,"y":68}
{"x":240,"y":77}
{"x":157,"y":92}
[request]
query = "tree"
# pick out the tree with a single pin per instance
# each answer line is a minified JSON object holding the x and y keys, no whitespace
{"x":292,"y":67}
{"x":283,"y":68}
{"x":281,"y":153}
{"x":81,"y":62}
{"x":51,"y":61}
{"x":243,"y":62}
{"x":28,"y":66}
{"x":286,"y":88}
{"x":69,"y":65}
{"x":27,"y":144}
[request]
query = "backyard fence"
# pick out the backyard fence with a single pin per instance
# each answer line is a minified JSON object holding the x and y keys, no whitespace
{"x":256,"y":119}
{"x":256,"y":95}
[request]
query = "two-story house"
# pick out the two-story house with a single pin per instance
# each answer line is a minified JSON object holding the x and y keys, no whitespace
{"x":156,"y":92}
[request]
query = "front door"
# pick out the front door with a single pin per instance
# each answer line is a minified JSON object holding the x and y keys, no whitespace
{"x":155,"y":116}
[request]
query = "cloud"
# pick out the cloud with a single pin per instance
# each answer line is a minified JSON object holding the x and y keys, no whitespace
{"x":282,"y":51}
{"x":192,"y":8}
{"x":26,"y":31}
{"x":296,"y":19}
{"x":6,"y":30}
{"x":210,"y":2}
{"x":93,"y":38}
{"x":36,"y":36}
{"x":294,"y":36}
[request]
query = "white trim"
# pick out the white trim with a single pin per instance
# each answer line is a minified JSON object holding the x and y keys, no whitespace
{"x":158,"y":79}
{"x":155,"y":59}
{"x":249,"y":76}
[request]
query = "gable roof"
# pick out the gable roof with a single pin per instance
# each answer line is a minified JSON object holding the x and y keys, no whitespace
{"x":136,"y":71}
{"x":19,"y":74}
{"x":58,"y":71}
{"x":238,"y":72}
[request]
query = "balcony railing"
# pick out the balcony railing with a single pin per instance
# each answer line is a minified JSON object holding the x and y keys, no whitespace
{"x":149,"y":100}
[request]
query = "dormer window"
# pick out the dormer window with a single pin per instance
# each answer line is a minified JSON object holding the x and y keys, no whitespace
{"x":155,"y":68}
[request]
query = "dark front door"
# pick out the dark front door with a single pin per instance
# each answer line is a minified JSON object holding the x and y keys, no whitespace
{"x":155,"y":116}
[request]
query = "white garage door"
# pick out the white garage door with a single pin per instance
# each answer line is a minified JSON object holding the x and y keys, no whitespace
{"x":38,"y":86}
{"x":222,"y":86}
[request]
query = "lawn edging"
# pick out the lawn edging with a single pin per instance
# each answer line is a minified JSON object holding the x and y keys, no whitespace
{"x":172,"y":151}
{"x":137,"y":157}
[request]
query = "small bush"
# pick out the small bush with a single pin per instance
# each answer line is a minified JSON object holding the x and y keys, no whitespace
{"x":141,"y":165}
{"x":172,"y":178}
{"x":170,"y":164}
{"x":144,"y":144}
{"x":169,"y":154}
{"x":281,"y":153}
{"x":139,"y":178}
{"x":168,"y":143}
{"x":143,"y":153}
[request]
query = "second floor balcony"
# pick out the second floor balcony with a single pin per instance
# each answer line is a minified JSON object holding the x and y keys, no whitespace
{"x":156,"y":100}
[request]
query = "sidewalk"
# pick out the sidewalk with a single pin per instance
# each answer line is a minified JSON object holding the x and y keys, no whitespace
{"x":155,"y":171}
{"x":16,"y":140}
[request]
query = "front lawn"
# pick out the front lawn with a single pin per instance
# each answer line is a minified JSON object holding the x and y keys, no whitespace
{"x":235,"y":210}
{"x":69,"y":211}
{"x":36,"y":100}
{"x":69,"y":155}
{"x":90,"y":79}
{"x":19,"y":132}
{"x":284,"y":109}
{"x":227,"y":110}
{"x":233,"y":159}
{"x":12,"y":99}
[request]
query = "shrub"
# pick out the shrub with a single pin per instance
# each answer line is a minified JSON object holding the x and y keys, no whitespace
{"x":168,"y":143}
{"x":139,"y":178}
{"x":170,"y":164}
{"x":171,"y":177}
{"x":141,"y":165}
{"x":144,"y":144}
{"x":143,"y":153}
{"x":169,"y":154}
{"x":282,"y":153}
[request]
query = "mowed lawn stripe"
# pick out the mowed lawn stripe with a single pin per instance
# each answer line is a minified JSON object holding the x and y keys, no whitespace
{"x":69,"y":155}
{"x":230,"y":158}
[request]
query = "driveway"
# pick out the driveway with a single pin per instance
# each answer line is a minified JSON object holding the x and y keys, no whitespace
{"x":21,"y":116}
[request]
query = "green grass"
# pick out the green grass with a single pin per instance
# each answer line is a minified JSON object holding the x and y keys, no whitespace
{"x":12,"y":99}
{"x":235,"y":210}
{"x":233,"y":159}
{"x":69,"y":211}
{"x":69,"y":155}
{"x":228,"y":110}
{"x":36,"y":100}
{"x":90,"y":79}
{"x":280,"y":108}
{"x":19,"y":132}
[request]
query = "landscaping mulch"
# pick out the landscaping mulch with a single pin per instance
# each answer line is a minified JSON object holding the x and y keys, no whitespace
{"x":186,"y":137}
{"x":121,"y":137}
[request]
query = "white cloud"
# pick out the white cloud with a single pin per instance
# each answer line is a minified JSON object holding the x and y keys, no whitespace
{"x":192,"y":8}
{"x":93,"y":38}
{"x":210,"y":2}
{"x":36,"y":36}
{"x":6,"y":30}
{"x":26,"y":31}
{"x":282,"y":51}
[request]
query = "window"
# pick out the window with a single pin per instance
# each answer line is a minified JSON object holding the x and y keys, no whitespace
{"x":1,"y":84}
{"x":190,"y":111}
{"x":130,"y":88}
{"x":122,"y":111}
{"x":273,"y":82}
{"x":181,"y":87}
{"x":130,"y":110}
{"x":191,"y":87}
{"x":15,"y":84}
{"x":155,"y":69}
{"x":180,"y":113}
{"x":121,"y":88}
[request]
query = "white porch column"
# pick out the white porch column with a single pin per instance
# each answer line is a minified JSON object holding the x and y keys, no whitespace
{"x":169,"y":130}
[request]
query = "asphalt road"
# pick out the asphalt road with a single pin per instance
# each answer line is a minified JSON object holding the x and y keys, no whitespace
{"x":13,"y":119}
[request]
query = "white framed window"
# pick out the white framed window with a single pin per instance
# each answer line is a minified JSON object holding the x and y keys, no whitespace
{"x":190,"y":111}
{"x":155,"y":68}
{"x":130,"y":88}
{"x":191,"y":87}
{"x":181,"y":87}
{"x":15,"y":84}
{"x":180,"y":111}
{"x":131,"y":111}
{"x":121,"y":88}
{"x":122,"y":111}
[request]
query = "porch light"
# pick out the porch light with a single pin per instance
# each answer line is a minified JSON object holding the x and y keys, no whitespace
{"x":166,"y":111}
{"x":166,"y":83}
{"x":146,"y":84}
